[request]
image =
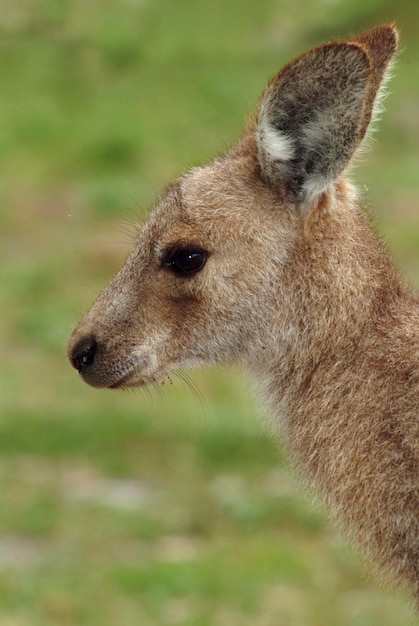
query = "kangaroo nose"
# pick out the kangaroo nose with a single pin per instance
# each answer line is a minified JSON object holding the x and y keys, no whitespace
{"x":83,"y":353}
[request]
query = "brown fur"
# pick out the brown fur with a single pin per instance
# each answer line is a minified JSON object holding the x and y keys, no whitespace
{"x":297,"y":288}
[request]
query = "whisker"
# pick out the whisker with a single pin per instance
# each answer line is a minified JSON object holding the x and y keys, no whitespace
{"x":129,"y":232}
{"x":193,"y":387}
{"x":158,"y":388}
{"x":140,"y":208}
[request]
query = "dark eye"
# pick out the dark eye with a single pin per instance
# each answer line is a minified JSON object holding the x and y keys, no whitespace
{"x":185,"y":261}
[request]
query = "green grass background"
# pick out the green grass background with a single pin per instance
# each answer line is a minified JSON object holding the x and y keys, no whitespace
{"x":173,"y":507}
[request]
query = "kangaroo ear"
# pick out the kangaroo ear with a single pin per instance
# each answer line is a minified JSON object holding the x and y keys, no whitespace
{"x":316,"y":111}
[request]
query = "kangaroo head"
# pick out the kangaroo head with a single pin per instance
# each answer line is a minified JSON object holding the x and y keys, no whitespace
{"x":219,"y":268}
{"x":189,"y":294}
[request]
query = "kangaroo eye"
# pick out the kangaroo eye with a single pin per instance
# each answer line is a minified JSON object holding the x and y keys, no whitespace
{"x":185,"y":261}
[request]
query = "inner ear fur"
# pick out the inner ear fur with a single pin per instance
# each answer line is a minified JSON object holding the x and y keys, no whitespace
{"x":315,"y":112}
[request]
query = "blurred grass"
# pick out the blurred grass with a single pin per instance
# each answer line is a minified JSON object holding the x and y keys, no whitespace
{"x":179,"y":509}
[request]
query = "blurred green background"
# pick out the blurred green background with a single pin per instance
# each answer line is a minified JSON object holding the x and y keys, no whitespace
{"x":173,"y":507}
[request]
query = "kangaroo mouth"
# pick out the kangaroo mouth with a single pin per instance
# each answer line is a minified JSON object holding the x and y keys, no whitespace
{"x":99,"y":378}
{"x":131,"y":379}
{"x":136,"y":374}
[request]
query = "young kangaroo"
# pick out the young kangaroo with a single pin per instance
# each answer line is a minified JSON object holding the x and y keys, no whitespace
{"x":264,"y":257}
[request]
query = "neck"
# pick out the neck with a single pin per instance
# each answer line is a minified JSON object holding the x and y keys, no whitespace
{"x":341,"y":381}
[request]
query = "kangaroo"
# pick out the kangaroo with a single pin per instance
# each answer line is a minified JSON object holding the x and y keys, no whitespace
{"x":264,"y":257}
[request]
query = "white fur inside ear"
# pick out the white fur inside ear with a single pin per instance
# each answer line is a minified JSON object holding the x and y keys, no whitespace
{"x":275,"y":144}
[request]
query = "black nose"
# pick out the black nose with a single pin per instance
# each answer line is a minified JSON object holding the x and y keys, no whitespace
{"x":83,"y":353}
